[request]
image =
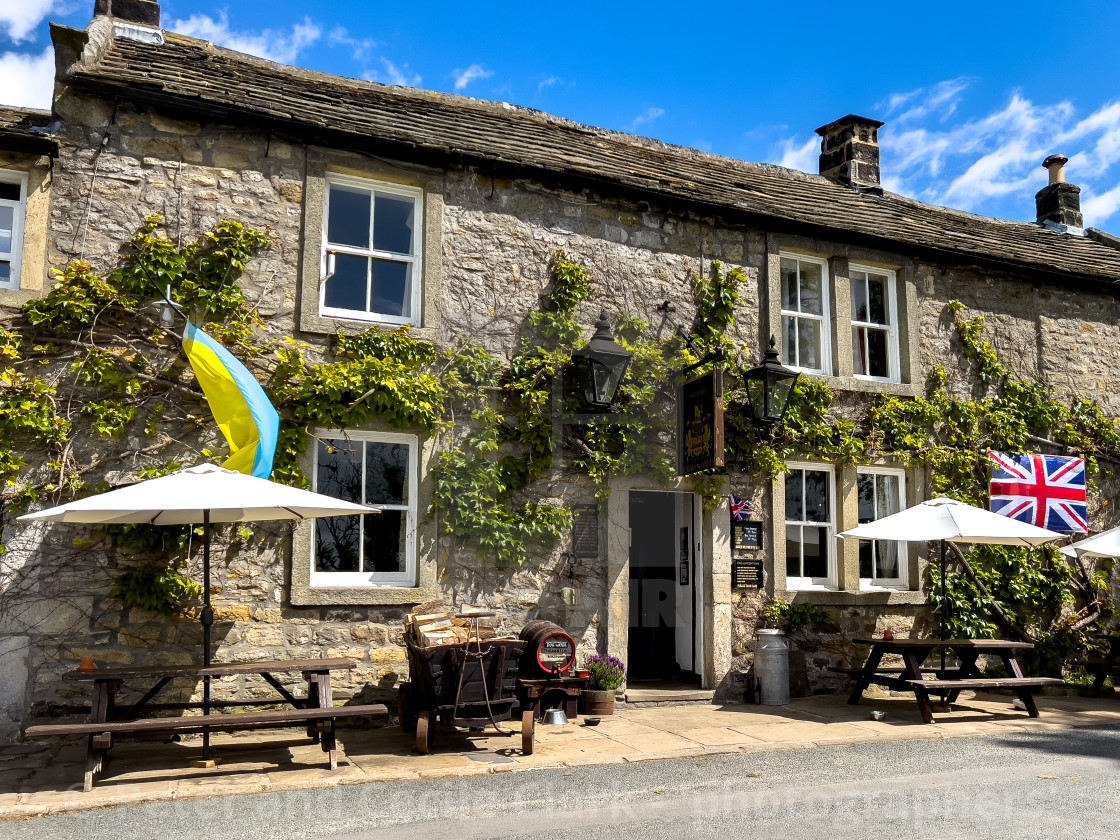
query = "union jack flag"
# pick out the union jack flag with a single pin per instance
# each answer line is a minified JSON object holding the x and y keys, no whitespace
{"x":1044,"y":490}
{"x":740,"y":508}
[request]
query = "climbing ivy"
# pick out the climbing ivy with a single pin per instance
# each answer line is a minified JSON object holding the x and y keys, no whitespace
{"x":91,"y":361}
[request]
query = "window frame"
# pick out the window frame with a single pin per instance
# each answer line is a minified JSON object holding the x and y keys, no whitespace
{"x":371,"y":580}
{"x":893,"y":364}
{"x":10,"y":176}
{"x":801,"y":583}
{"x":415,"y":259}
{"x":902,"y":582}
{"x":824,"y":319}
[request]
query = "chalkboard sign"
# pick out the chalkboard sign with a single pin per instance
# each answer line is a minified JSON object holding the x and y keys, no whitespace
{"x":746,"y":574}
{"x":585,"y":530}
{"x":746,"y":535}
{"x":700,"y":423}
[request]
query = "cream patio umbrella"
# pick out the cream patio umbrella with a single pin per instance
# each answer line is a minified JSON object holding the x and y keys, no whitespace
{"x":947,"y":520}
{"x":203,"y":494}
{"x":1104,"y":544}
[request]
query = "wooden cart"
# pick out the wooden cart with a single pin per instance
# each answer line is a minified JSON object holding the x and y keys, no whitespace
{"x":473,"y":685}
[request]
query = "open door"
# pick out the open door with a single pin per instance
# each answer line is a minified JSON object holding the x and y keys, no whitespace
{"x":666,"y":592}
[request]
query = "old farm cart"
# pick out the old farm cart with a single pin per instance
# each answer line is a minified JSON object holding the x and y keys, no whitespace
{"x":472,"y":684}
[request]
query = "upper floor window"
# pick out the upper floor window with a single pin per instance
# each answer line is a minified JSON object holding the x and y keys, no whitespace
{"x":371,"y":251}
{"x":874,"y":324}
{"x":805,"y":314}
{"x":13,"y":204}
{"x":379,"y":470}
{"x":881,"y":492}
{"x":810,"y":522}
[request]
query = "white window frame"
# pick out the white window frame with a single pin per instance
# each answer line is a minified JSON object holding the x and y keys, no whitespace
{"x":321,"y":580}
{"x":18,"y":216}
{"x":891,"y":329}
{"x":815,"y":583}
{"x":825,"y":318}
{"x":903,"y":579}
{"x":415,"y":260}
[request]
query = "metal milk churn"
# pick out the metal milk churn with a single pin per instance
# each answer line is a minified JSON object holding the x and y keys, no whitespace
{"x":771,"y":663}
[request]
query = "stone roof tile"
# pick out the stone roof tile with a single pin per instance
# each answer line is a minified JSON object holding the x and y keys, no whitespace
{"x":196,"y":77}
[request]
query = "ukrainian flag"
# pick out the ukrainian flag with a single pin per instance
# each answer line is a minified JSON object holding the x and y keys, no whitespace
{"x":247,"y":419}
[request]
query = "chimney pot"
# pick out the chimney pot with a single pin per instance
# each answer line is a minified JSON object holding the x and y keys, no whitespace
{"x":1056,"y":166}
{"x":850,"y":152}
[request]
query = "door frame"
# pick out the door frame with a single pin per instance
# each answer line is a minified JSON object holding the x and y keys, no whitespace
{"x":713,"y":536}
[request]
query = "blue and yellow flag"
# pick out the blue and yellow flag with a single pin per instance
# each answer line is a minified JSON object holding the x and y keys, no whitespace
{"x":241,"y":408}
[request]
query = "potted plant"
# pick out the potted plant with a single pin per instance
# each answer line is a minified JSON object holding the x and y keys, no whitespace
{"x":607,"y":674}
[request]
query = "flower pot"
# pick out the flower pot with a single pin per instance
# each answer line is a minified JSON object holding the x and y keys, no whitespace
{"x":596,"y":703}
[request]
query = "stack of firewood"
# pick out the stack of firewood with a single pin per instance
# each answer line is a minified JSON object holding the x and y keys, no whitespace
{"x":432,"y":625}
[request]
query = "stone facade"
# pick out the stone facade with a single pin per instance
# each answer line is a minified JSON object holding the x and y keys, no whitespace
{"x":486,"y":271}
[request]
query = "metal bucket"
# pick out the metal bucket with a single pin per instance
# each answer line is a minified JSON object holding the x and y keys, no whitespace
{"x":555,"y":717}
{"x":771,"y":664}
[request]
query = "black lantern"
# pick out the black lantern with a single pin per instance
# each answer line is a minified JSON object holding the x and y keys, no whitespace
{"x":769,"y":387}
{"x":598,"y":368}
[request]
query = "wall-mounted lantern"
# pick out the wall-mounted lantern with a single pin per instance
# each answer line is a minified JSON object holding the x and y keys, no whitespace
{"x":769,"y":388}
{"x":598,"y":368}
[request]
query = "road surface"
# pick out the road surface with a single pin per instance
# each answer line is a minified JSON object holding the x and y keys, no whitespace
{"x":1050,"y":783}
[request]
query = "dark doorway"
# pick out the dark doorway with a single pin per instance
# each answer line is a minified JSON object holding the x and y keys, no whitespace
{"x":653,"y":584}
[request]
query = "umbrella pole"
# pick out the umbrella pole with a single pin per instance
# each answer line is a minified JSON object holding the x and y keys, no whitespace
{"x":941,"y":612}
{"x":207,"y":620}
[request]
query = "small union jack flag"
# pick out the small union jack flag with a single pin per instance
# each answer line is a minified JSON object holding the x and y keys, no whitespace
{"x":740,"y":508}
{"x":1044,"y":490}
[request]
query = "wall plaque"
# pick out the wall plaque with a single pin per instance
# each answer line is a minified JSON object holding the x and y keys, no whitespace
{"x":746,"y":535}
{"x":746,"y":574}
{"x":700,"y":423}
{"x":585,"y":530}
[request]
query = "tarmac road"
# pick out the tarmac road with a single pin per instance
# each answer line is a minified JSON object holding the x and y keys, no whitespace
{"x":1049,"y":783}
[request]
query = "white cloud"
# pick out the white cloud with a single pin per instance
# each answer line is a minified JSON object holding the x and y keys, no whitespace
{"x":1101,"y":207}
{"x":549,"y":82}
{"x":267,"y":43}
{"x":941,"y":98}
{"x":793,"y":153}
{"x":472,"y":73}
{"x":20,"y":18}
{"x":360,"y":47}
{"x":393,"y":75}
{"x":647,"y":116}
{"x":28,"y":78}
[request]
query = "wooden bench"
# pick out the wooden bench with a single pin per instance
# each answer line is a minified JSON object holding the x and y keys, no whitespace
{"x":854,"y":672}
{"x":1020,"y":685}
{"x":101,"y":734}
{"x":1102,"y":669}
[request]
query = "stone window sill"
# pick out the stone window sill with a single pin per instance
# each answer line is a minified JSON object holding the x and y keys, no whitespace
{"x":869,"y":386}
{"x":322,"y":325}
{"x":374,"y":596}
{"x":852,"y":598}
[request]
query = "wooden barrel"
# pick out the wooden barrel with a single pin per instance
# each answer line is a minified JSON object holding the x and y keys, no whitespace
{"x":549,"y":650}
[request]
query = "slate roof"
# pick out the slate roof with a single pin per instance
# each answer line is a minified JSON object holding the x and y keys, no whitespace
{"x":197,"y":78}
{"x":15,"y":134}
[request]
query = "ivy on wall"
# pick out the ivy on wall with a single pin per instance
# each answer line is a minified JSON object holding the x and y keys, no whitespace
{"x":91,"y":380}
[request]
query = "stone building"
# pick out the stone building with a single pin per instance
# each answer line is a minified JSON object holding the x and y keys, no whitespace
{"x":476,"y":196}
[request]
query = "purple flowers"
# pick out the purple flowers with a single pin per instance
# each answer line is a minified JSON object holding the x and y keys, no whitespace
{"x":607,"y":672}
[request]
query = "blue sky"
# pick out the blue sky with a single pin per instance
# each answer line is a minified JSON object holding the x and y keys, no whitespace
{"x":974,"y":95}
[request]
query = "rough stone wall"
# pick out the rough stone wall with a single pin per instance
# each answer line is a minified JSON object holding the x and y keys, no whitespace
{"x":497,"y":239}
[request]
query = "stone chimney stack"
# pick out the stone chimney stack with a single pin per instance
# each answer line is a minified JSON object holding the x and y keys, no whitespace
{"x":850,"y":152}
{"x":138,"y":12}
{"x":1059,"y":204}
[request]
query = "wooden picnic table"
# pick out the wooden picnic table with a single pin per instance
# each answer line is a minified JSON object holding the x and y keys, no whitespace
{"x":1104,"y":668}
{"x":108,"y":718}
{"x":951,"y":681}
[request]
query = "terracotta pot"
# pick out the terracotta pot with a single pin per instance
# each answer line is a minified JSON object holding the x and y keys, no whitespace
{"x":596,"y":703}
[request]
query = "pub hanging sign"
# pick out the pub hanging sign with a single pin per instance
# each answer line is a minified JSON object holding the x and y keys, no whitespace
{"x":700,"y":423}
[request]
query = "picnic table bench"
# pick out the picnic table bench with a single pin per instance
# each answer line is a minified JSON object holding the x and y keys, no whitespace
{"x":1103,"y":668}
{"x":317,"y":711}
{"x":950,"y":681}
